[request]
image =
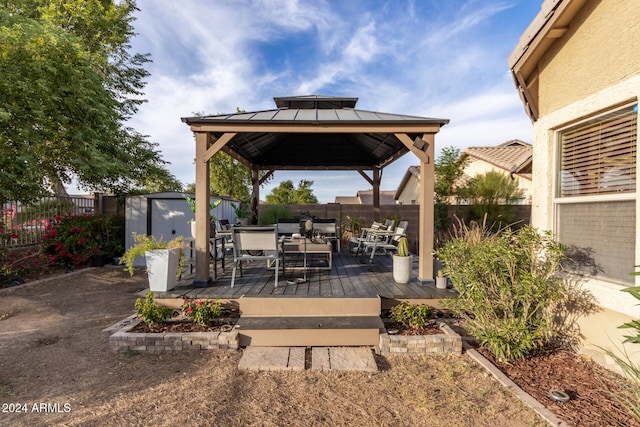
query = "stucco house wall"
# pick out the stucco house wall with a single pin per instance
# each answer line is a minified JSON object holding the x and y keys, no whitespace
{"x":593,"y":68}
{"x":410,"y":194}
{"x":599,"y":50}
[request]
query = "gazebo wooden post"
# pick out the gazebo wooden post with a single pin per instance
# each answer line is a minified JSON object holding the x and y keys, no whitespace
{"x":255,"y":193}
{"x":376,"y":194}
{"x":423,"y":148}
{"x":425,"y":238}
{"x":203,"y":194}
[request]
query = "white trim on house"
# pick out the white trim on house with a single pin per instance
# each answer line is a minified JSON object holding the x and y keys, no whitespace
{"x":546,"y":130}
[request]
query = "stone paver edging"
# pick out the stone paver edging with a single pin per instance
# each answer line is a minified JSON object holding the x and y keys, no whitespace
{"x":529,"y":400}
{"x":448,"y":342}
{"x":120,"y":339}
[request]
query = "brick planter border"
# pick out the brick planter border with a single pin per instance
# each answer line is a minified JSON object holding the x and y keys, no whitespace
{"x":449,"y":342}
{"x":121,"y":340}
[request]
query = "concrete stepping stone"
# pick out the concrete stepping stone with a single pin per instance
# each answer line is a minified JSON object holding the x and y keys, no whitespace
{"x":343,"y":359}
{"x":272,"y":359}
{"x":293,"y":359}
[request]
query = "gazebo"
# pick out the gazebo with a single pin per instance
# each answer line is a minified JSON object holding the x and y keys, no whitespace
{"x":315,"y":133}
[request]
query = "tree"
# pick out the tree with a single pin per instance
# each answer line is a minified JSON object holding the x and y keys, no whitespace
{"x":69,"y":85}
{"x":285,"y":193}
{"x":229,"y":177}
{"x":491,"y":194}
{"x":159,"y":180}
{"x":449,"y":167}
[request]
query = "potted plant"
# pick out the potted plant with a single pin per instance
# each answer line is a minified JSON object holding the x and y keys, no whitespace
{"x":192,"y":204}
{"x":402,"y":262}
{"x":242,"y":212}
{"x":164,"y":260}
{"x":441,"y":281}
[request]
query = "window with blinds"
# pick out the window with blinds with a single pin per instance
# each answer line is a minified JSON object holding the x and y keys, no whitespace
{"x":599,"y":156}
{"x":604,"y":233}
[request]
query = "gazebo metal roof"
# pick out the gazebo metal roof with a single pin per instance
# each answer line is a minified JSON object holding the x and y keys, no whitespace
{"x":310,"y":149}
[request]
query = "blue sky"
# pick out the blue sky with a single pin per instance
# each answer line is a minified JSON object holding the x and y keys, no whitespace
{"x":430,"y":58}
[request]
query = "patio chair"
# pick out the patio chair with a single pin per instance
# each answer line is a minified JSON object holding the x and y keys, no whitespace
{"x":221,"y":240}
{"x":222,"y":225}
{"x":366,"y":235}
{"x":328,"y":229}
{"x":287,"y":227}
{"x":388,"y":242}
{"x":255,"y":243}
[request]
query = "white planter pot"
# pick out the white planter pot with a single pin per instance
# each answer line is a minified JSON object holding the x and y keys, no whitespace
{"x":162,"y":268}
{"x":193,"y":228}
{"x":402,"y":267}
{"x":441,"y":282}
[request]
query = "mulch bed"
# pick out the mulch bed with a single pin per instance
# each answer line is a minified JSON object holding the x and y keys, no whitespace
{"x":589,"y":385}
{"x":179,"y":326}
{"x":229,"y":316}
{"x":432,"y":328}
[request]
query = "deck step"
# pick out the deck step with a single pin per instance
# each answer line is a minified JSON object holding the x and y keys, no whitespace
{"x":308,"y":307}
{"x":309,"y":331}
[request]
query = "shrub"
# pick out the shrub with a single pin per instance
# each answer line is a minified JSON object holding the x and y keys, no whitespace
{"x":144,"y":243}
{"x":413,"y":315}
{"x":17,"y":266}
{"x":351,"y":227}
{"x":201,"y":311}
{"x":509,"y":283}
{"x":150,"y":312}
{"x":634,"y":324}
{"x":74,"y":240}
{"x":272,"y":213}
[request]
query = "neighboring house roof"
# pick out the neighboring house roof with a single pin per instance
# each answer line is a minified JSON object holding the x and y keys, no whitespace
{"x":512,"y":156}
{"x":365,"y":197}
{"x":551,"y":23}
{"x":348,"y":200}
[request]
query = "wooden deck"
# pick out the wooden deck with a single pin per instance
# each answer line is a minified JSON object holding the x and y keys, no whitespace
{"x":349,"y":278}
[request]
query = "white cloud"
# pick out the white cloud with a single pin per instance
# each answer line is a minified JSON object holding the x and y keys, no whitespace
{"x":429,"y":59}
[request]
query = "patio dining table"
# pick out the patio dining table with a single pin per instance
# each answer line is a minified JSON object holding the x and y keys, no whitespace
{"x":316,"y":254}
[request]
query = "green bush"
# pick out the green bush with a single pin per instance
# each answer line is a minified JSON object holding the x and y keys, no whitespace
{"x":74,"y":240}
{"x":413,"y":315}
{"x":144,"y":243}
{"x":201,"y":311}
{"x":150,"y":312}
{"x":509,"y":283}
{"x":20,"y":265}
{"x":634,"y":324}
{"x":271,"y":214}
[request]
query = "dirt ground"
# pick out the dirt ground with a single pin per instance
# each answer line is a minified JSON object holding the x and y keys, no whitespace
{"x":56,"y":369}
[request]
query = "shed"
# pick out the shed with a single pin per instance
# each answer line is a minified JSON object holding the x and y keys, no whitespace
{"x":165,"y":216}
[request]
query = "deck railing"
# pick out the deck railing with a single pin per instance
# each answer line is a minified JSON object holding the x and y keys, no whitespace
{"x":24,"y":224}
